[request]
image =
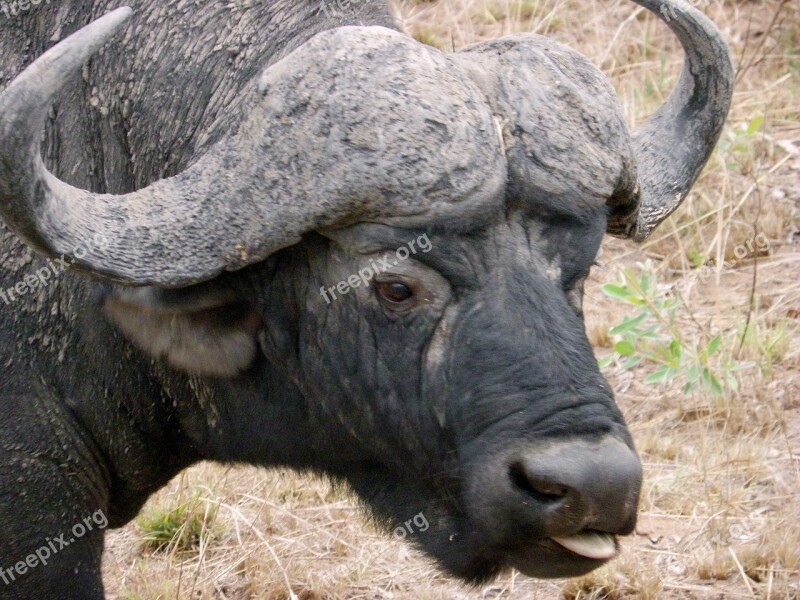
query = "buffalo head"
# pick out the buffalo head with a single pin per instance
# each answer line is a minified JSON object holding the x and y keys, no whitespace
{"x":455,"y":379}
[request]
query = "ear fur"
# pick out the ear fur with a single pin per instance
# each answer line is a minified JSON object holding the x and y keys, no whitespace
{"x":202,"y":331}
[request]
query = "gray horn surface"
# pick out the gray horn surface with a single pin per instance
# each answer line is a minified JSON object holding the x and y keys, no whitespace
{"x":672,"y":147}
{"x":357,"y":124}
{"x":365,"y":124}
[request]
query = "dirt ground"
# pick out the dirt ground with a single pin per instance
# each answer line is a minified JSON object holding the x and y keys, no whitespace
{"x":720,"y":514}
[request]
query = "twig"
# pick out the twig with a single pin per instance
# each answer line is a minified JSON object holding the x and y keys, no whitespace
{"x":741,"y":70}
{"x":752,"y":299}
{"x":741,"y":570}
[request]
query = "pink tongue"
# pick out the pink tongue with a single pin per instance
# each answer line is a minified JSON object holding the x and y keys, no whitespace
{"x":591,"y":544}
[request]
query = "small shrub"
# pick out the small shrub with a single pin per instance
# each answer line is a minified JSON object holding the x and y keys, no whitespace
{"x":183,"y":528}
{"x":653,"y":336}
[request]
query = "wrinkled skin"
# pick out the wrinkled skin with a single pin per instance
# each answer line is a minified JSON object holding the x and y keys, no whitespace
{"x":351,"y":388}
{"x":404,"y":402}
{"x":484,"y":364}
{"x":458,"y":383}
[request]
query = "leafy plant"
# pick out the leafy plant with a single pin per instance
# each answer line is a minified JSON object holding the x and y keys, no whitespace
{"x":740,"y":144}
{"x":653,"y":336}
{"x":181,"y":528}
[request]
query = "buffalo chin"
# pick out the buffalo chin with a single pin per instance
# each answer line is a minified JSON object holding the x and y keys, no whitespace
{"x":536,"y":559}
{"x":540,"y":558}
{"x":542,"y":561}
{"x":453,"y":542}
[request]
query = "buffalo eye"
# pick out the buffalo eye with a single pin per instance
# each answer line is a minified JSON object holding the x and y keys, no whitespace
{"x":394,"y":294}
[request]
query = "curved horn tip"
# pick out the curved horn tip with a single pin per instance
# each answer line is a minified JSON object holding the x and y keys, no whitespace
{"x":98,"y":31}
{"x":87,"y":40}
{"x":48,"y":73}
{"x":675,"y":143}
{"x":23,"y":107}
{"x":118,"y":16}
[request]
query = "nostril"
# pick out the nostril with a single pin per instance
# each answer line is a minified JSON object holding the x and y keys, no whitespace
{"x":543,"y":490}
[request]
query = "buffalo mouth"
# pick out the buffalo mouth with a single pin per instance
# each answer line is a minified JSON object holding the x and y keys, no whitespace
{"x":468,"y":549}
{"x":564,"y":556}
{"x":475,"y":561}
{"x":540,"y":557}
{"x":596,"y":545}
{"x":553,"y":508}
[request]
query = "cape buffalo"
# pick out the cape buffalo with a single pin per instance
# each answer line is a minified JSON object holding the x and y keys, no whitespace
{"x":285,"y":233}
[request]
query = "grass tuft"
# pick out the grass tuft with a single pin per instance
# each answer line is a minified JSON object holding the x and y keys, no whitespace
{"x":181,"y":528}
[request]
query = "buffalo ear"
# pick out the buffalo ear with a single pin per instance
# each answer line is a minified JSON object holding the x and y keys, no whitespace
{"x":202,"y":330}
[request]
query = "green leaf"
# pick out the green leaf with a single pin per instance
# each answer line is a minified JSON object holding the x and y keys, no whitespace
{"x":741,"y":366}
{"x":631,"y":362}
{"x":698,"y":260}
{"x":616,"y":291}
{"x":716,"y":386}
{"x":689,"y":387}
{"x":651,"y":333}
{"x":624,"y":348}
{"x":628,"y":324}
{"x":733,"y":383}
{"x":675,"y":350}
{"x":605,"y":362}
{"x":645,"y":282}
{"x":755,"y":125}
{"x":712,"y":382}
{"x":660,"y":376}
{"x":714,"y":345}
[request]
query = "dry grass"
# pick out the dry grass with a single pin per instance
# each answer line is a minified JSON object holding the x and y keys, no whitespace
{"x":720,"y":508}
